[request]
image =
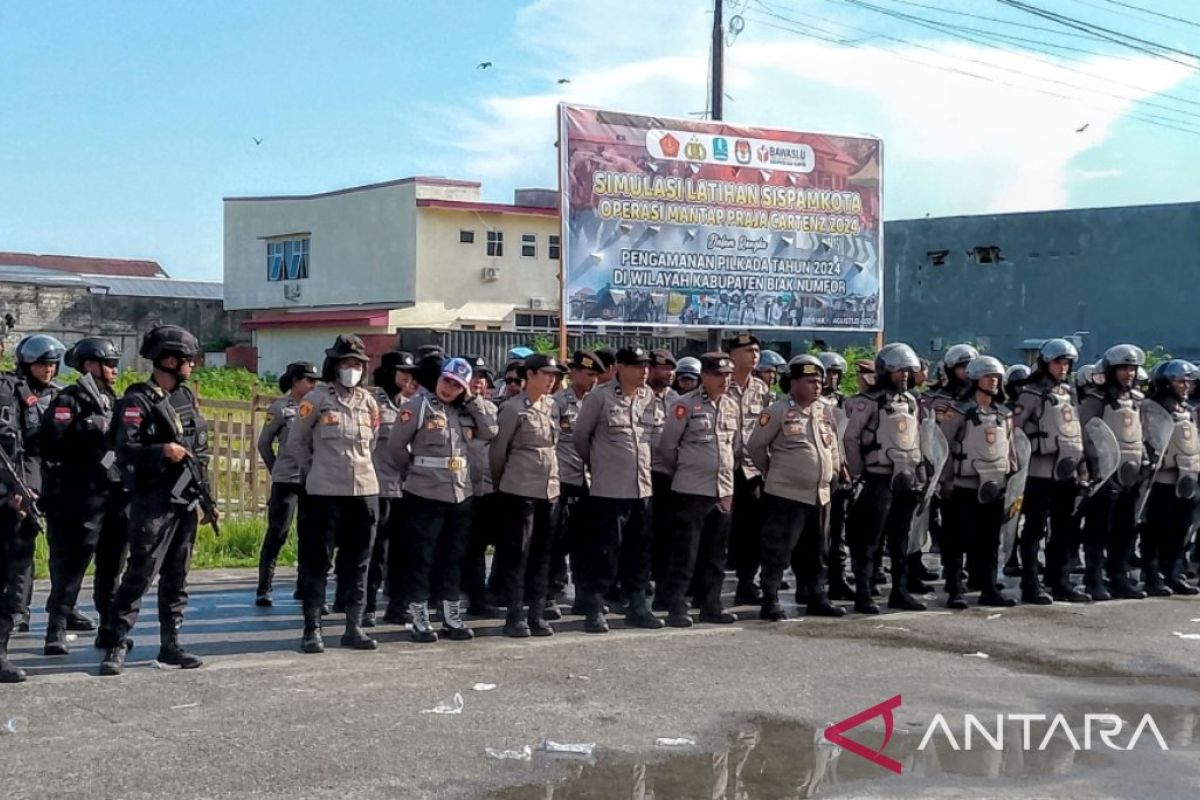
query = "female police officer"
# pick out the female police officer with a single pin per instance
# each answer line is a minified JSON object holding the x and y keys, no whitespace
{"x":297,"y":380}
{"x":332,"y":440}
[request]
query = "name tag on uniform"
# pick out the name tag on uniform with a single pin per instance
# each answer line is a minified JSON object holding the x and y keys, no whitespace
{"x":435,"y":423}
{"x":329,"y":418}
{"x":793,"y":428}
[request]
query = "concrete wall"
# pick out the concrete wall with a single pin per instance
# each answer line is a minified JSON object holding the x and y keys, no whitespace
{"x":360,"y":248}
{"x":278,"y":347}
{"x":451,"y":272}
{"x":71,"y":313}
{"x":1118,"y":274}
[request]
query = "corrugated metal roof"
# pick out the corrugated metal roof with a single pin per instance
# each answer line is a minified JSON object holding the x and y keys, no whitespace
{"x":114,"y":285}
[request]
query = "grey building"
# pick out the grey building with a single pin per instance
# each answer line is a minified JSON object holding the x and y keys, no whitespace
{"x":1008,"y":281}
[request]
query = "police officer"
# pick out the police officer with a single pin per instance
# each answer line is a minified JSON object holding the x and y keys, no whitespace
{"x":660,"y":378}
{"x":1173,"y":493}
{"x":1014,"y":378}
{"x":585,"y":367}
{"x":513,"y":383}
{"x":84,"y":500}
{"x":697,"y":449}
{"x":795,"y":446}
{"x":332,"y":441}
{"x":38,"y":358}
{"x":430,"y":443}
{"x":1110,"y":528}
{"x":612,"y":438}
{"x":839,"y":557}
{"x":752,"y":396}
{"x":687,"y":374}
{"x":525,"y":468}
{"x":770,"y":364}
{"x":158,"y":426}
{"x":882,"y":449}
{"x":978,"y":429}
{"x":16,"y":536}
{"x":485,"y":507}
{"x":393,"y":385}
{"x":297,"y":380}
{"x":1046,"y":411}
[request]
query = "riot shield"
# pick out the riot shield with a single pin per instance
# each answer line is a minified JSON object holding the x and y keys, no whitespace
{"x":935,"y":450}
{"x":1103,"y":453}
{"x":1014,"y":494}
{"x":1157,"y":428}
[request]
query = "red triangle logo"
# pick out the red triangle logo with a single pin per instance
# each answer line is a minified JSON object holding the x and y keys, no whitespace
{"x":834,"y":733}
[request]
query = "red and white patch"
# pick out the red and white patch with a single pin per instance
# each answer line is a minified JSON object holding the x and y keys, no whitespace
{"x":680,"y":412}
{"x":62,"y":414}
{"x":31,"y":400}
{"x":132,"y":415}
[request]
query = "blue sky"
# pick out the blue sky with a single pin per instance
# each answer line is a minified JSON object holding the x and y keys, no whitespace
{"x":124,"y":124}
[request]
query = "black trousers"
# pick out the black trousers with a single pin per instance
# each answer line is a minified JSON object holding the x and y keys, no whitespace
{"x":745,"y":544}
{"x":793,"y":532}
{"x":523,"y":555}
{"x":281,"y":511}
{"x":17,"y":540}
{"x":1168,"y":518}
{"x":568,"y":530}
{"x":1049,"y":509}
{"x":161,"y":537}
{"x":99,"y":529}
{"x":435,"y":539}
{"x":879,"y":518}
{"x":699,"y":538}
{"x":617,"y":547}
{"x":971,"y":526}
{"x":660,"y":549}
{"x":342,"y":523}
{"x":1110,"y":527}
{"x":838,"y":556}
{"x":484,"y":516}
{"x":386,"y":526}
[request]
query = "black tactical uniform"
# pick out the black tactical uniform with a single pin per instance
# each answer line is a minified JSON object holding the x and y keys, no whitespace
{"x":84,"y":501}
{"x":162,"y":514}
{"x":16,"y":537}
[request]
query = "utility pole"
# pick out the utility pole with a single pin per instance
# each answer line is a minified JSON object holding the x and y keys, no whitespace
{"x":716,"y":104}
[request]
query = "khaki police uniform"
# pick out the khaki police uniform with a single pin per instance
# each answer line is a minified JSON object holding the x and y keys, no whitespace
{"x":612,"y":438}
{"x":698,"y":452}
{"x":524,"y":465}
{"x":1110,"y":528}
{"x":286,"y":485}
{"x":332,"y":441}
{"x":1046,"y":411}
{"x":430,"y":443}
{"x":796,"y":448}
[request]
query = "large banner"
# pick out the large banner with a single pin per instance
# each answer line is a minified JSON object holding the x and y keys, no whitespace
{"x":684,"y":223}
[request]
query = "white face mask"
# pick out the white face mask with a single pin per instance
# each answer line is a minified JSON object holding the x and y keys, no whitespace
{"x":349,"y":376}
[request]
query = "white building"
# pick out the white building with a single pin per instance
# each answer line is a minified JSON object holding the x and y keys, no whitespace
{"x":413,"y":253}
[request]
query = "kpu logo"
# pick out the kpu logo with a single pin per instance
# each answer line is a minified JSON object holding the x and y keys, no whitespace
{"x":976,"y":734}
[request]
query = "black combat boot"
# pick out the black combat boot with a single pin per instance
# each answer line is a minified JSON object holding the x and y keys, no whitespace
{"x":900,"y":599}
{"x":819,"y":605}
{"x":1122,"y":588}
{"x":550,"y":611}
{"x":515,"y":624}
{"x":864,"y":601}
{"x":839,"y":589}
{"x":114,"y":659}
{"x":10,"y":672}
{"x":312,"y":641}
{"x":771,"y":609}
{"x":595,"y":621}
{"x":677,"y":616}
{"x":266,"y":577}
{"x":354,"y":636}
{"x":537,"y":620}
{"x":453,"y":627}
{"x":56,"y":637}
{"x":1093,"y":574}
{"x":79,"y":622}
{"x":639,"y":614}
{"x":747,"y":594}
{"x":170,"y":653}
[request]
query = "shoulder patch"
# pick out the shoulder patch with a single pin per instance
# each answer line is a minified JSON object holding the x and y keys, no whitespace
{"x":132,"y":414}
{"x":681,"y":411}
{"x":62,"y":414}
{"x":306,"y":408}
{"x":406,"y":415}
{"x":764,"y":419}
{"x":31,"y":400}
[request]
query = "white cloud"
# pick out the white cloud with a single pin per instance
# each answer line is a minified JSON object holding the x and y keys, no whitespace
{"x":1097,"y":174}
{"x":954,"y":144}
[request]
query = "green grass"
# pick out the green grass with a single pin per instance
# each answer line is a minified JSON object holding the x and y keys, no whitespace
{"x":237,"y":546}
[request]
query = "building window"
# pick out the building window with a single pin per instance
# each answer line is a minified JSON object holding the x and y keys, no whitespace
{"x":528,"y":245}
{"x":287,"y":260}
{"x":552,"y":249}
{"x":536,"y":322}
{"x":466,"y":237}
{"x":495,"y":243}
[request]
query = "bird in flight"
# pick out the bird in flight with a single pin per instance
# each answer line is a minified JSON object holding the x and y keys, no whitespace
{"x":1083,"y":128}
{"x":257,"y":140}
{"x":561,"y":81}
{"x":483,"y":65}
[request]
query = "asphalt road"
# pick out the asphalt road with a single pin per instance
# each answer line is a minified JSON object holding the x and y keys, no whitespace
{"x":262,"y":720}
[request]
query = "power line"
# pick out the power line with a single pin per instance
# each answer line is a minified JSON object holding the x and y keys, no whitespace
{"x":1151,"y":119}
{"x":998,"y":21}
{"x":1154,"y":13}
{"x":957,"y":31}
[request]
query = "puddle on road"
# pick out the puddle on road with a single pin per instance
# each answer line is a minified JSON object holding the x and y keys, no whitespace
{"x":770,"y":759}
